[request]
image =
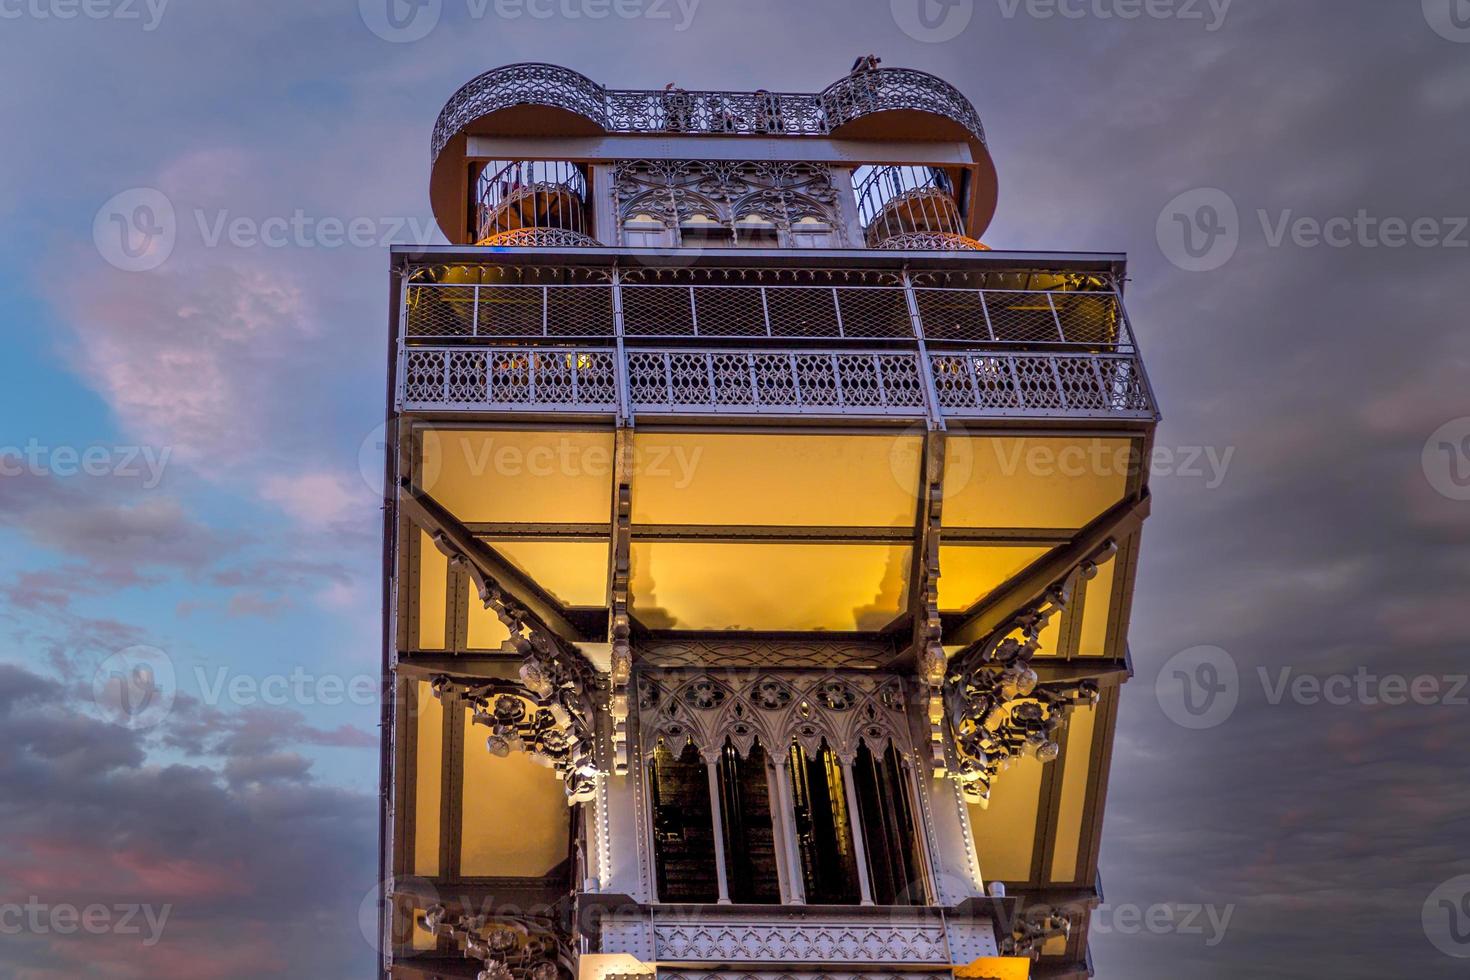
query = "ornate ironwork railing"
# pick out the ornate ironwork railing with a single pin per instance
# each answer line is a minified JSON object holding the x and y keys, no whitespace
{"x":704,"y":112}
{"x":899,"y":201}
{"x":697,"y":381}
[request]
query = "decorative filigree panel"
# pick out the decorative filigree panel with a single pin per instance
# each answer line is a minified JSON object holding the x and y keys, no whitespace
{"x":542,"y":238}
{"x":772,"y":709}
{"x":736,"y":652}
{"x":786,"y":941}
{"x":859,"y":94}
{"x":726,"y":192}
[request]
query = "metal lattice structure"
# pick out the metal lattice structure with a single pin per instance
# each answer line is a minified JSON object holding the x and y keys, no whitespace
{"x":704,"y":112}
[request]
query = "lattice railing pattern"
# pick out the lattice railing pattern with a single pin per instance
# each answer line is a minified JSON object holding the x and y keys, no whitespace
{"x":720,"y":113}
{"x":510,"y":378}
{"x":839,"y":313}
{"x":784,"y":382}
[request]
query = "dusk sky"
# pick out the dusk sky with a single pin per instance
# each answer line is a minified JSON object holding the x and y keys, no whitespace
{"x":190,"y":455}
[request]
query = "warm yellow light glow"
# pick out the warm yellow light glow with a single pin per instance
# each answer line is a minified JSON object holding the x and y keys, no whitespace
{"x":483,"y":629}
{"x":776,"y":480}
{"x":1005,"y":831}
{"x":433,"y":584}
{"x":968,"y":573}
{"x":428,"y":782}
{"x":1075,"y":769}
{"x":1032,"y":481}
{"x":680,"y":585}
{"x":520,"y":476}
{"x":995,"y":968}
{"x":574,"y":572}
{"x":1095,"y":612}
{"x":504,"y":792}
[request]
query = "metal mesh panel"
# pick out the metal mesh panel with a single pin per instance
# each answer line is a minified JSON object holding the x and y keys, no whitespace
{"x":654,"y":311}
{"x":1089,"y":318}
{"x":952,"y":314}
{"x":510,"y":376}
{"x":1025,"y":317}
{"x":902,"y":385}
{"x":585,"y":311}
{"x":1123,"y":382}
{"x":802,"y":311}
{"x":817,"y":376}
{"x":441,"y":311}
{"x":775,"y":380}
{"x":730,"y":311}
{"x":510,"y":311}
{"x":873,"y":312}
{"x":467,"y":381}
{"x":423,"y":376}
{"x":1081,"y":384}
{"x":1037,"y":384}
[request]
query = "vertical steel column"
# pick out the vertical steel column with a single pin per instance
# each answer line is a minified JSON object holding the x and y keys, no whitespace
{"x":788,"y":830}
{"x":712,"y":770}
{"x":620,"y":357}
{"x":926,"y":368}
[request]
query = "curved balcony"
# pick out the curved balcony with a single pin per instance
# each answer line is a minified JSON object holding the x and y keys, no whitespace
{"x":549,"y":100}
{"x":522,"y":198}
{"x":910,"y":207}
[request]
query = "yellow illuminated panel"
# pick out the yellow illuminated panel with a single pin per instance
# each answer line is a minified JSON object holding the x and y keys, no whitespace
{"x":1005,"y":832}
{"x":776,"y":480}
{"x":699,"y":586}
{"x":483,"y":629}
{"x":1031,"y":481}
{"x":505,"y":793}
{"x":1080,"y":724}
{"x":968,"y":573}
{"x":574,"y":572}
{"x":1050,"y":637}
{"x":433,"y":586}
{"x":1094,"y":641}
{"x":428,"y":782}
{"x":995,"y":968}
{"x":423,"y":940}
{"x":520,"y":475}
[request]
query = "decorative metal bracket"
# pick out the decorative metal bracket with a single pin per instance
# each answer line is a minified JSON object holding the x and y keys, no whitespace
{"x":511,"y":948}
{"x":998,"y":711}
{"x":1030,"y":932}
{"x":548,"y":715}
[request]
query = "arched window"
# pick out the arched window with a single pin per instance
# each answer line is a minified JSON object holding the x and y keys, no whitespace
{"x":705,"y":231}
{"x":812,"y":232}
{"x":757,"y":231}
{"x":646,"y":231}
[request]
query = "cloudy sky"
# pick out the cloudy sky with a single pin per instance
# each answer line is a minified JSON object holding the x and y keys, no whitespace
{"x":188,"y":450}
